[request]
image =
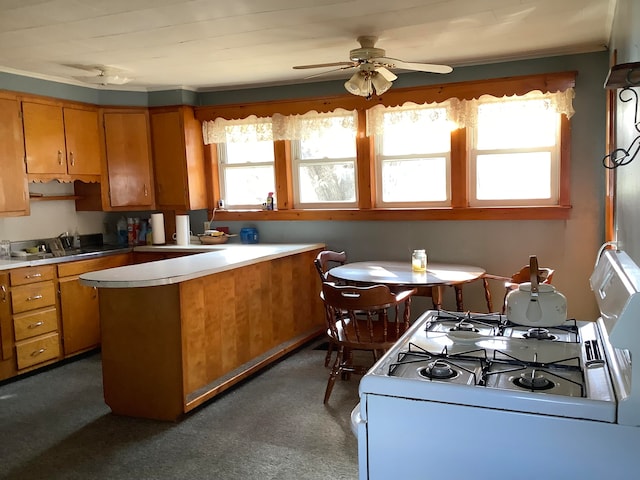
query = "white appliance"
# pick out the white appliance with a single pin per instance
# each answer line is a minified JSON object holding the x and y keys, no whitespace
{"x":473,"y":396}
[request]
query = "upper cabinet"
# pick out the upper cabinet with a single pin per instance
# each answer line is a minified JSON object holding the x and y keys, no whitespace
{"x":178,"y":159}
{"x":14,"y":196}
{"x":61,"y":142}
{"x":128,"y":160}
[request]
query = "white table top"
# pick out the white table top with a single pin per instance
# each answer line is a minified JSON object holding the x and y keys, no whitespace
{"x":400,"y":273}
{"x":176,"y":270}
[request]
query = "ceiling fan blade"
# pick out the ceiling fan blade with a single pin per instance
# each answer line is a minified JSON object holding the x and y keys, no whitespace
{"x":322,"y":65}
{"x":420,"y":67}
{"x":330,"y":71}
{"x":386,"y":73}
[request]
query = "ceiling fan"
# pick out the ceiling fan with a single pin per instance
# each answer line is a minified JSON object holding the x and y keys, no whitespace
{"x":103,"y":75}
{"x":373,"y":75}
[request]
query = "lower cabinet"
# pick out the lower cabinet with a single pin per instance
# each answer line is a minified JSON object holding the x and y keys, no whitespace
{"x":79,"y":307}
{"x":35,"y":316}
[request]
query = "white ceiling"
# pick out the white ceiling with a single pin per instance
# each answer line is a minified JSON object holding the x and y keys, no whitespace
{"x":222,"y":44}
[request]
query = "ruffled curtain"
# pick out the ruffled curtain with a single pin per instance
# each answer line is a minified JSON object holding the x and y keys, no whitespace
{"x":278,"y":127}
{"x":410,"y":112}
{"x":460,"y":113}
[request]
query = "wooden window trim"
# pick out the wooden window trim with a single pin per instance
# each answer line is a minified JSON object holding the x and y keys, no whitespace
{"x":459,"y":210}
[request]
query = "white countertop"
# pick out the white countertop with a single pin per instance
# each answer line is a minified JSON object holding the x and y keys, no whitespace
{"x":215,"y":259}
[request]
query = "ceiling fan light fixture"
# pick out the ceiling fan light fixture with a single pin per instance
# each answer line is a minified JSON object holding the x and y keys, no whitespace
{"x":357,"y":84}
{"x":380,"y":84}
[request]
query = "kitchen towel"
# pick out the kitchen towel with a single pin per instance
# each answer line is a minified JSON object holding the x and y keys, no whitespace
{"x":157,"y":229}
{"x":182,"y":229}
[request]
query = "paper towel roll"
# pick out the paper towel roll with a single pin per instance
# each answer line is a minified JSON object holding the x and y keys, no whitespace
{"x":157,"y":229}
{"x":182,"y":229}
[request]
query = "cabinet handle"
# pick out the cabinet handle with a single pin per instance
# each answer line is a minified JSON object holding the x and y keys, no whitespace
{"x":4,"y":293}
{"x":35,"y":325}
{"x":38,"y":352}
{"x":72,"y":158}
{"x":59,"y":157}
{"x":35,"y":297}
{"x":146,"y":193}
{"x":35,"y":275}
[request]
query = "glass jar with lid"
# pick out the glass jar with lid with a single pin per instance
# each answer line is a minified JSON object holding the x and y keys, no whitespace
{"x":419,"y":261}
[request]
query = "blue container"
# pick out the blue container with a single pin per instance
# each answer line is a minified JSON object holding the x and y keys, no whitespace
{"x":249,"y":235}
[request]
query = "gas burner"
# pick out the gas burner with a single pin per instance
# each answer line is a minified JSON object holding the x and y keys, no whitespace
{"x":533,"y":382}
{"x":438,"y":370}
{"x":464,"y":327}
{"x":539,"y":334}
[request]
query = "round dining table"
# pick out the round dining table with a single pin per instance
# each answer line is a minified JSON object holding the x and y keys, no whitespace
{"x":397,"y":274}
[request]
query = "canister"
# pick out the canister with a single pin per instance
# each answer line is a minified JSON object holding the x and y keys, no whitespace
{"x":249,"y":235}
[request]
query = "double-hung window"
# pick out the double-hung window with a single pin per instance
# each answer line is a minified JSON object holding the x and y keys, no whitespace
{"x":413,"y":156}
{"x":246,"y":164}
{"x":324,"y":161}
{"x":514,"y":152}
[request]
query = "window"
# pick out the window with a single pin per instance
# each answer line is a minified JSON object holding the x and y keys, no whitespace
{"x":413,"y":160}
{"x":514,"y":153}
{"x":246,"y":165}
{"x":509,"y":149}
{"x":324,"y":164}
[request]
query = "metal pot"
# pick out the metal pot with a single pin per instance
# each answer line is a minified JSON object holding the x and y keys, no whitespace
{"x":536,"y":305}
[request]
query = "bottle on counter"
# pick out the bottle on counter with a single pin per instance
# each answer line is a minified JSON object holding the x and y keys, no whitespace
{"x":122,"y":231}
{"x":270,"y":202}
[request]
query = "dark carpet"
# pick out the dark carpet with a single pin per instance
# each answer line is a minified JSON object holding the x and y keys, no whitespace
{"x":55,"y":425}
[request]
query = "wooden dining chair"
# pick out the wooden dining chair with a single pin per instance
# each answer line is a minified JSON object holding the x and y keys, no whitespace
{"x":362,"y":318}
{"x":325,"y":261}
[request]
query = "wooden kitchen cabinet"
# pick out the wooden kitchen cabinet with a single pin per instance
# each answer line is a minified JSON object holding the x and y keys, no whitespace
{"x":178,"y":159}
{"x":61,"y":142}
{"x":128,"y":157}
{"x":80,"y":310}
{"x":14,"y":192}
{"x":35,"y":316}
{"x":6,"y":326}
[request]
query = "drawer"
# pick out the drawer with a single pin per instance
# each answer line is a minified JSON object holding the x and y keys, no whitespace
{"x":23,"y":276}
{"x":37,"y":350}
{"x":32,"y":324}
{"x":31,"y":297}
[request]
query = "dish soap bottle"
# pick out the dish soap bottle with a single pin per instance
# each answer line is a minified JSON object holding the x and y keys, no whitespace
{"x":270,"y":203}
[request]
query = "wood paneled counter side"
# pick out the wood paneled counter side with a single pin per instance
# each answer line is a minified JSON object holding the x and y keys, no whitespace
{"x":177,"y":332}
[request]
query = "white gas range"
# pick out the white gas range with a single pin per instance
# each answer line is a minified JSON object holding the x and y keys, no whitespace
{"x":544,"y":403}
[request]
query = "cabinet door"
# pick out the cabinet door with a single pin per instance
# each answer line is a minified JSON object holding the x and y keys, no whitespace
{"x":13,"y":181}
{"x":82,"y":141}
{"x":44,"y":138}
{"x":128,"y":159}
{"x":178,"y":160}
{"x":6,"y":332}
{"x":80,"y":316}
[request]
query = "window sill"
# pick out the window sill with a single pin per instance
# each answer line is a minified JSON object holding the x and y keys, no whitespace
{"x":390,"y":214}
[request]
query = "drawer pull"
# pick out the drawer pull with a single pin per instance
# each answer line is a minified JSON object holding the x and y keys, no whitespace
{"x":38,"y":352}
{"x":35,"y":275}
{"x":35,"y":325}
{"x":4,"y":293}
{"x":35,"y":297}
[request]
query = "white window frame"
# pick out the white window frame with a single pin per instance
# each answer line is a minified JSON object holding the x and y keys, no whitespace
{"x":380,"y":159}
{"x":297,"y":163}
{"x":555,"y":165}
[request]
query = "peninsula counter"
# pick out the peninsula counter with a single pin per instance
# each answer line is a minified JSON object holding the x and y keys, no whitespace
{"x":177,"y":332}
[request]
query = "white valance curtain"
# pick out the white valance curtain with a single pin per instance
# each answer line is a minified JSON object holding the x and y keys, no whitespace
{"x":461,"y":113}
{"x":278,"y":127}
